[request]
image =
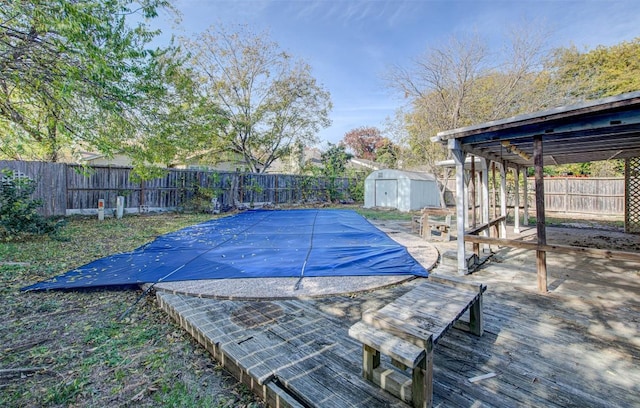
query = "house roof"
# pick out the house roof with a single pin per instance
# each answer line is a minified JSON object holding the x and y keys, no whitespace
{"x":604,"y":129}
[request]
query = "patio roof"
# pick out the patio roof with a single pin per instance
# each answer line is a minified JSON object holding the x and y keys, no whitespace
{"x":598,"y":130}
{"x":608,"y":128}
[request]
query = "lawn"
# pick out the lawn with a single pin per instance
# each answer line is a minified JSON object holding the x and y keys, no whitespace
{"x":71,"y":349}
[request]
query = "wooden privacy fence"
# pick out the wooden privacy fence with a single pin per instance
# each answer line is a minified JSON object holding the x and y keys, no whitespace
{"x":583,"y":195}
{"x":577,"y":195}
{"x":70,"y":189}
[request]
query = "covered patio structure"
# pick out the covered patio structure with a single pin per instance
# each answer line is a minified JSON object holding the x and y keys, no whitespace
{"x":604,"y":129}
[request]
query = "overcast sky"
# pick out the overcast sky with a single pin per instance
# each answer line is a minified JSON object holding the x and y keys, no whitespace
{"x":350,"y":44}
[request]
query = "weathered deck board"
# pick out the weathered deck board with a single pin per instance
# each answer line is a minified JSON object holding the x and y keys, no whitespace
{"x":432,"y":310}
{"x":534,"y":353}
{"x":575,"y":347}
{"x":310,"y":355}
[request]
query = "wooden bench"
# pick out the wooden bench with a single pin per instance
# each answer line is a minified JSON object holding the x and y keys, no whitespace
{"x":430,"y":220}
{"x":407,"y":330}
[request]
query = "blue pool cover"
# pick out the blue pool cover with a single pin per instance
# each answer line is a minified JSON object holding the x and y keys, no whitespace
{"x":252,"y":244}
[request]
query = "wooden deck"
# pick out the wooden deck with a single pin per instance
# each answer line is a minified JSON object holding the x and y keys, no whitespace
{"x":576,"y":346}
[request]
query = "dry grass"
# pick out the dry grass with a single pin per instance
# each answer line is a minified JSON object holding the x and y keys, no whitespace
{"x":70,"y":349}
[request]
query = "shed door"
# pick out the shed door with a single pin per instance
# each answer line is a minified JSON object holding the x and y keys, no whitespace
{"x":387,"y":193}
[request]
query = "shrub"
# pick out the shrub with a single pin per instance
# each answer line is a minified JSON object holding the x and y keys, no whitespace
{"x":19,"y":211}
{"x":356,"y":189}
{"x":195,"y":198}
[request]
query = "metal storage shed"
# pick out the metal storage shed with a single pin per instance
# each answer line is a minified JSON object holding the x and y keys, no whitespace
{"x":404,"y":190}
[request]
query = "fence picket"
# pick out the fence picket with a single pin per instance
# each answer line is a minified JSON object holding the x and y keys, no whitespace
{"x":70,"y":188}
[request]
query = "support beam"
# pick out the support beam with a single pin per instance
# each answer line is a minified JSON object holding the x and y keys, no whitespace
{"x":459,"y":157}
{"x":466,"y":199}
{"x":503,"y":199}
{"x":493,"y":189}
{"x":516,"y":205}
{"x":541,"y":256}
{"x":485,"y":201}
{"x":472,"y":192}
{"x":474,"y":206}
{"x":525,"y":174}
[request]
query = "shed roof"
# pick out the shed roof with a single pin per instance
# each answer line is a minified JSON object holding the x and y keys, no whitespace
{"x":412,"y":175}
{"x":604,"y":129}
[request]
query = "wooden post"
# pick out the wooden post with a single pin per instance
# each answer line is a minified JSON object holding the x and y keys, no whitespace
{"x":476,"y":325}
{"x":541,"y":256}
{"x":525,"y":189}
{"x":503,"y":199}
{"x":566,"y":194}
{"x":101,"y":209}
{"x":485,"y":201}
{"x":493,"y":189}
{"x":370,"y":361}
{"x":474,"y":206}
{"x":422,"y":382}
{"x":516,"y":209}
{"x":141,"y":197}
{"x":472,"y":191}
{"x":458,"y":157}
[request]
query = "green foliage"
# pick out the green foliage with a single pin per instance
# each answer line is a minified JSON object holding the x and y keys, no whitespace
{"x":65,"y":393}
{"x":18,"y":211}
{"x":334,"y":161}
{"x":387,"y":153}
{"x":601,"y":72}
{"x":605,"y":168}
{"x":197,"y":198}
{"x":356,"y":186}
{"x":254,"y":188}
{"x":307,"y":185}
{"x":75,"y":74}
{"x":183,"y":126}
{"x":176,"y":394}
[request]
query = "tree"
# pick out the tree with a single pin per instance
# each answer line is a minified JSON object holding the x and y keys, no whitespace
{"x":334,"y":160}
{"x":74,"y":73}
{"x":182,"y":121}
{"x":438,"y":86}
{"x":396,"y":128}
{"x":363,"y":141}
{"x":334,"y":165}
{"x":444,"y":77}
{"x":462,"y":83}
{"x":270,"y":101}
{"x":387,"y":153}
{"x":601,"y":72}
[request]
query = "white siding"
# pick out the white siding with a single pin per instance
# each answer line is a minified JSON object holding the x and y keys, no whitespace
{"x":406,"y":191}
